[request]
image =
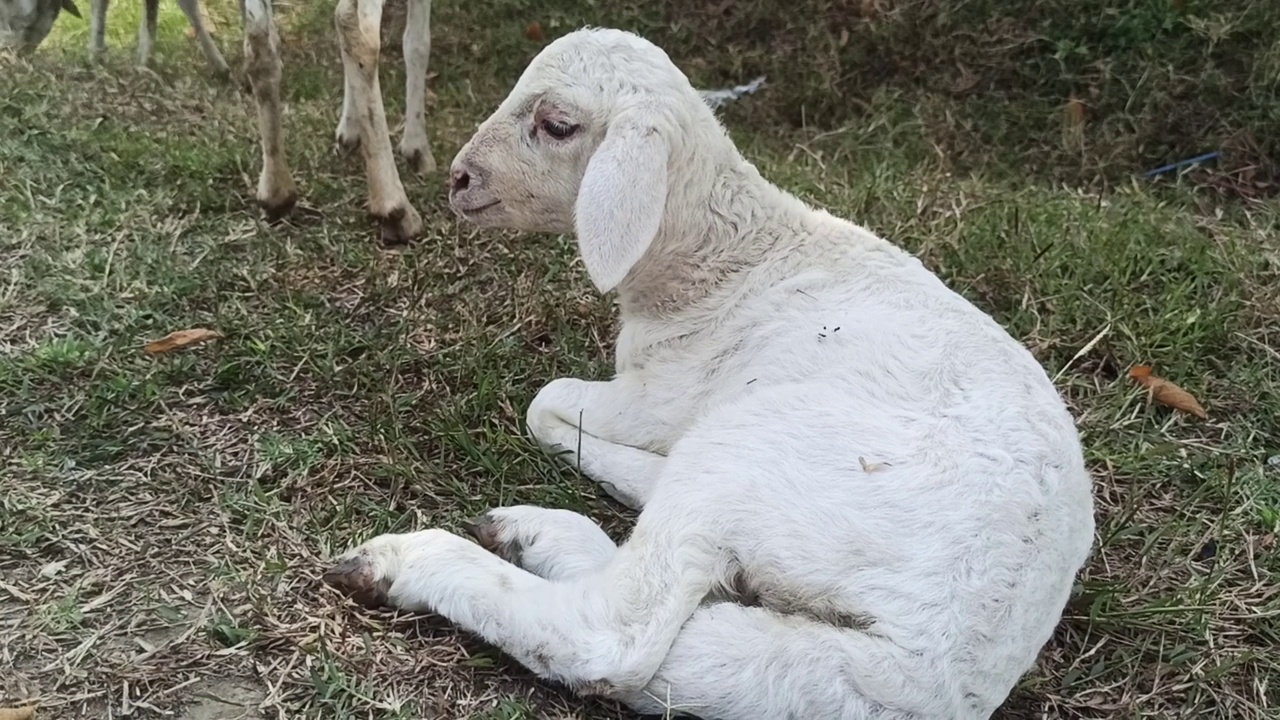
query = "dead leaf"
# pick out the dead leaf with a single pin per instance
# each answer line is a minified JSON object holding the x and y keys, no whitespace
{"x":22,"y":713}
{"x":180,"y":339}
{"x":871,"y":467}
{"x":534,"y":31}
{"x":1165,"y":392}
{"x":1075,"y":112}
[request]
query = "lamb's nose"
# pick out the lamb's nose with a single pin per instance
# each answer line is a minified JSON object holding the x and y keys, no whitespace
{"x":461,"y":180}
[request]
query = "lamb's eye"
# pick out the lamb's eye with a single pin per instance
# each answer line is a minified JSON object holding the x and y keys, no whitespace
{"x":557,"y":129}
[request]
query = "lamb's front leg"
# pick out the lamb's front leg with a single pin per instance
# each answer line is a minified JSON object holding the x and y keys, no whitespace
{"x":596,"y":427}
{"x":605,"y":632}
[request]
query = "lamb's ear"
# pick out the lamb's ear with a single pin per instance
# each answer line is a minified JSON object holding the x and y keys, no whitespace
{"x":621,"y":200}
{"x":70,"y":6}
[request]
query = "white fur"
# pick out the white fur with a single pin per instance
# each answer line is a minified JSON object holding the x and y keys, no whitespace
{"x":812,"y":422}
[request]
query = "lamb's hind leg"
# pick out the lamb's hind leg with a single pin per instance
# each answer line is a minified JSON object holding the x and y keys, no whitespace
{"x":728,"y":661}
{"x":552,"y":544}
{"x":605,"y":632}
{"x":277,"y":192}
{"x":358,"y":23}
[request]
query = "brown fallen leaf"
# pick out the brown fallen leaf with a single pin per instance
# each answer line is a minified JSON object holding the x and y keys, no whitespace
{"x":179,"y":339}
{"x":534,"y":31}
{"x":1165,"y":392}
{"x":1074,"y":112}
{"x":22,"y":713}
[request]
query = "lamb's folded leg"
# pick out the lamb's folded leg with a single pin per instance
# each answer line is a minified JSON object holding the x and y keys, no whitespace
{"x":590,"y":425}
{"x":606,"y":632}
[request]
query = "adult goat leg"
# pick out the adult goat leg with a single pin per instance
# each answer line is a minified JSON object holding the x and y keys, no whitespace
{"x":97,"y":28}
{"x":414,"y":145}
{"x":147,"y":30}
{"x":359,"y":35}
{"x":191,"y":8}
{"x":277,"y":192}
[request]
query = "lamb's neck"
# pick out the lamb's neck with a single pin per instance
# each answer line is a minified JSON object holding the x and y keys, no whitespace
{"x":713,"y":232}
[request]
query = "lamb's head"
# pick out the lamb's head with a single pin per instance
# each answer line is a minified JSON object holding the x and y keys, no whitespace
{"x":24,"y":24}
{"x":593,"y":135}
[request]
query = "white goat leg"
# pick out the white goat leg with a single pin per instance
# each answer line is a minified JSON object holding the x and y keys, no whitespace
{"x":191,"y":8}
{"x":594,"y":426}
{"x":347,"y":134}
{"x":358,"y":23}
{"x":97,"y":28}
{"x":550,"y":543}
{"x":277,"y":192}
{"x":728,"y":662}
{"x":606,"y":632}
{"x":147,"y":30}
{"x":414,"y":145}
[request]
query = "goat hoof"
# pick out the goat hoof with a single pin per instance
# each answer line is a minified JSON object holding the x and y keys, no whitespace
{"x":484,"y":530}
{"x":354,"y":577}
{"x":276,"y":209}
{"x":346,"y":144}
{"x":400,"y":226}
{"x":420,"y":159}
{"x":487,"y":532}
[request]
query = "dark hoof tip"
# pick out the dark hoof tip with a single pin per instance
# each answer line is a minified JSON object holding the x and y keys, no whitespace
{"x":399,"y":227}
{"x":346,"y":146}
{"x":354,"y":578}
{"x":484,"y":530}
{"x":278,"y":210}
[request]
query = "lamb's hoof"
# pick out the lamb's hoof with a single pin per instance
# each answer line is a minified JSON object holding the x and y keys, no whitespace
{"x":487,"y":532}
{"x":400,"y":225}
{"x":277,"y":208}
{"x":222,"y":74}
{"x":354,"y":577}
{"x":484,"y":530}
{"x":419,"y":158}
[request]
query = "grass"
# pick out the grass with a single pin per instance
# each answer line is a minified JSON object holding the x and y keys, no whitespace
{"x":163,"y":521}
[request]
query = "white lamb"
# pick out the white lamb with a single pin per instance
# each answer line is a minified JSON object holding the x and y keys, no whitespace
{"x":861,"y":497}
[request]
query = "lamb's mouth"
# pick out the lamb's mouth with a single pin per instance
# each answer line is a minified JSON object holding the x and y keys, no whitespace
{"x":471,"y":212}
